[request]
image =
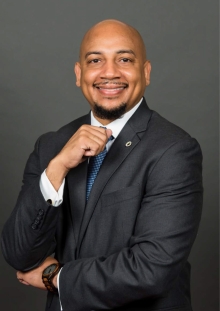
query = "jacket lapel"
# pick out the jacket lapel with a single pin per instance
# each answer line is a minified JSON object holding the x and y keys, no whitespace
{"x":126,"y":141}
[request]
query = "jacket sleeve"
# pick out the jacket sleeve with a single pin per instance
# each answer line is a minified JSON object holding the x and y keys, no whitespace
{"x":28,"y":235}
{"x":164,"y":233}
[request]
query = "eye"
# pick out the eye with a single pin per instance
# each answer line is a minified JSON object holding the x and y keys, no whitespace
{"x":95,"y":60}
{"x":125,"y":60}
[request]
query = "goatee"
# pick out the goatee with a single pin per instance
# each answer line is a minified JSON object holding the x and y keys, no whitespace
{"x":109,"y":114}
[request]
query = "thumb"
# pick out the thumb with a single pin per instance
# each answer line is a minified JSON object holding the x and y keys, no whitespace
{"x":108,"y":132}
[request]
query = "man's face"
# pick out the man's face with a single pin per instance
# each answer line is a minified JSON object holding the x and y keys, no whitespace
{"x":112,"y":71}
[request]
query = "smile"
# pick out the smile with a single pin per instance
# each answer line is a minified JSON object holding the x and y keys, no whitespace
{"x":110,"y":88}
{"x":110,"y":91}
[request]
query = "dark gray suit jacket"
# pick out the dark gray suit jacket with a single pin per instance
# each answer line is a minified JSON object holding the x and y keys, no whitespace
{"x":127,"y":248}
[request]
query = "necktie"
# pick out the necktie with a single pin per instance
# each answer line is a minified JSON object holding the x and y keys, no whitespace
{"x":94,"y":167}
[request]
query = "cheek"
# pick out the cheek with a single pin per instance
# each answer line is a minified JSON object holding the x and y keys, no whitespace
{"x":88,"y":76}
{"x":138,"y":79}
{"x":132,"y":76}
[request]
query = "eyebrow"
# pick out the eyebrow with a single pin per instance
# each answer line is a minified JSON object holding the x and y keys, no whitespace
{"x":126,"y":52}
{"x":92,"y":52}
{"x":117,"y":52}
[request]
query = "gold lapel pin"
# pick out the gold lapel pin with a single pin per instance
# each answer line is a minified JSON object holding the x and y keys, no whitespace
{"x":128,"y":144}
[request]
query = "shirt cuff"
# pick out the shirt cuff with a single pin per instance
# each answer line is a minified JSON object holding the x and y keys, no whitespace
{"x":48,"y":191}
{"x":58,"y":286}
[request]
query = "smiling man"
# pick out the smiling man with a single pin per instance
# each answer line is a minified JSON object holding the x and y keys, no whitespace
{"x":115,"y":194}
{"x":113,"y":71}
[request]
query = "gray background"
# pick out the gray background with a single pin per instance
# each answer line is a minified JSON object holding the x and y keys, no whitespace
{"x":39,"y":45}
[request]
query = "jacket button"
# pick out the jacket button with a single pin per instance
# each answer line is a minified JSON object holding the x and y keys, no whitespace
{"x":34,"y":227}
{"x":41,"y":212}
{"x":38,"y":217}
{"x":36,"y":222}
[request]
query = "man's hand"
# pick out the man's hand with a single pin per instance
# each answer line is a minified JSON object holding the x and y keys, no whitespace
{"x":86,"y":142}
{"x":34,"y":277}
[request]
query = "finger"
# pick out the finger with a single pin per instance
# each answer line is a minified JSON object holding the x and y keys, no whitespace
{"x":100,"y":129}
{"x":100,"y":135}
{"x":23,"y":282}
{"x":94,"y":132}
{"x":19,"y":275}
{"x":87,"y":139}
{"x":104,"y":131}
{"x":107,"y":133}
{"x":88,"y":134}
{"x":94,"y":142}
{"x":97,"y":130}
{"x":92,"y":148}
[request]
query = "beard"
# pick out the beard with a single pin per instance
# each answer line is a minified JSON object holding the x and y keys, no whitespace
{"x":109,"y":114}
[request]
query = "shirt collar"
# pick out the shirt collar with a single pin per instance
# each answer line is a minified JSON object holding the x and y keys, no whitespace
{"x":116,"y":125}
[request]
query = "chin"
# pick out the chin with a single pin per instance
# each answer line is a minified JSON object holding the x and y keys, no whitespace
{"x":109,"y":113}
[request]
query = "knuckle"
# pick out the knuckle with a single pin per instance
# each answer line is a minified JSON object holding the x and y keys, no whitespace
{"x":83,"y":132}
{"x":84,"y":127}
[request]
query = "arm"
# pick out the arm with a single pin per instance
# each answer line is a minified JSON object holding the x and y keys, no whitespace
{"x":25,"y":243}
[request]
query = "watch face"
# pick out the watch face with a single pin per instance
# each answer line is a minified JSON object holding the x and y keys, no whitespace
{"x":50,"y":268}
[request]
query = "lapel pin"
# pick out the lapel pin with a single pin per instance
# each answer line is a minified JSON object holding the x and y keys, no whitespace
{"x":128,"y":144}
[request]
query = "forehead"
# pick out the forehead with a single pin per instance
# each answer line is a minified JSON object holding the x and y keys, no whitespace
{"x":110,"y":40}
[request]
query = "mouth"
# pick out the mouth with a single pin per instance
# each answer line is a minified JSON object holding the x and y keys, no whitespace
{"x":110,"y":88}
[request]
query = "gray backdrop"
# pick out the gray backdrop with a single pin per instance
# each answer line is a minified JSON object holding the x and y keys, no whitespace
{"x":39,"y":45}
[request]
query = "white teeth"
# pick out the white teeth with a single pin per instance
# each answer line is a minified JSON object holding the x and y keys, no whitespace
{"x":111,"y":90}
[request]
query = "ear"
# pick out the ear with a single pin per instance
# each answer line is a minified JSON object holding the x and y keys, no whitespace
{"x":77,"y":70}
{"x":147,"y":71}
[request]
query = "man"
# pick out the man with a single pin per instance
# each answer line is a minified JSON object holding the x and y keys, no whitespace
{"x":123,"y":232}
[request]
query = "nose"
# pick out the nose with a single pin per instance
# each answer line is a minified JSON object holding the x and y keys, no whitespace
{"x":110,"y":70}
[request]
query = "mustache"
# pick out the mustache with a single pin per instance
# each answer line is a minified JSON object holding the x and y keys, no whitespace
{"x":110,"y":82}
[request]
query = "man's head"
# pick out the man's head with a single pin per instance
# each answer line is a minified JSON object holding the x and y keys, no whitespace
{"x":112,"y":70}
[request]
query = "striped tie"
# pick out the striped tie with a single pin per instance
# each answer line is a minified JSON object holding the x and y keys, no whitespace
{"x":94,"y":167}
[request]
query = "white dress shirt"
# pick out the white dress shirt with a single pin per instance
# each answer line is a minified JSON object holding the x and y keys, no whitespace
{"x":47,"y":189}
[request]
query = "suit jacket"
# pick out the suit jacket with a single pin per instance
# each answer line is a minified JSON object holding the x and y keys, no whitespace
{"x":127,"y":248}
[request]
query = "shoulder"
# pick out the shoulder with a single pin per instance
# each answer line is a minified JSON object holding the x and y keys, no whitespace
{"x":155,"y":130}
{"x":163,"y":133}
{"x":166,"y":143}
{"x":165,"y":129}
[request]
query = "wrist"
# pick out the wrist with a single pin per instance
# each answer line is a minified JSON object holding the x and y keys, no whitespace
{"x":56,"y":172}
{"x":54,"y":281}
{"x":49,"y":276}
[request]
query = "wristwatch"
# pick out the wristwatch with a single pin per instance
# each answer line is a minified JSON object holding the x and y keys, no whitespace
{"x":48,"y":275}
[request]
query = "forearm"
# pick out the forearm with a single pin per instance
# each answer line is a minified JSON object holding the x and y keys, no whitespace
{"x":28,"y":236}
{"x":56,"y":173}
{"x":111,"y":282}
